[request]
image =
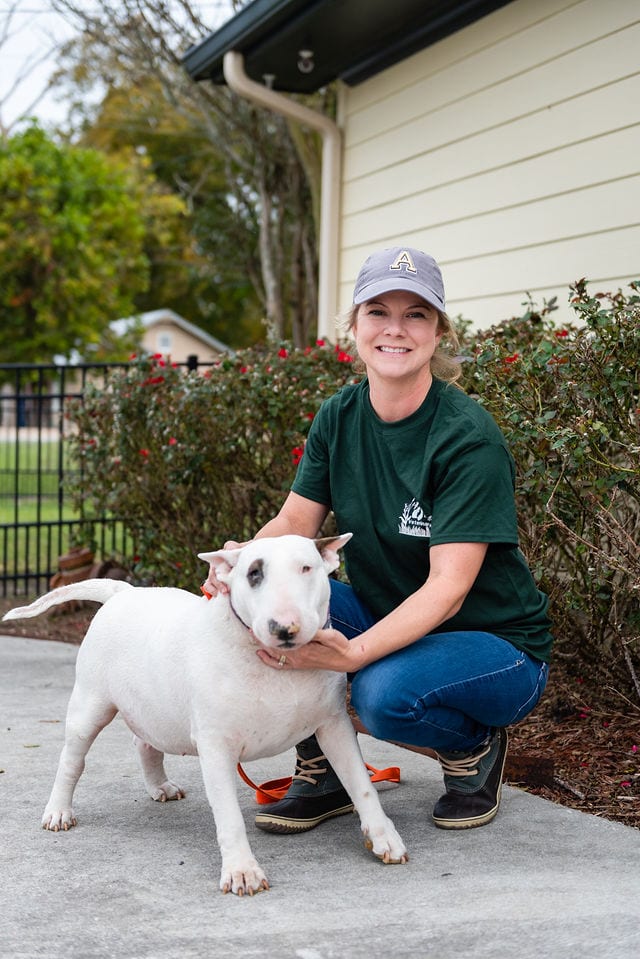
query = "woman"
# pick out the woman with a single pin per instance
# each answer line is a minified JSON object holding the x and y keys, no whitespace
{"x":442,"y":628}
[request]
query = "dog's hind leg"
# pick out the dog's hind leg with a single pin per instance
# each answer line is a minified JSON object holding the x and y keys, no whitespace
{"x":158,"y":784}
{"x":86,"y":717}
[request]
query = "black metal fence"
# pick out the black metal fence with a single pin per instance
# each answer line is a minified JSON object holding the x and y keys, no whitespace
{"x":37,"y":523}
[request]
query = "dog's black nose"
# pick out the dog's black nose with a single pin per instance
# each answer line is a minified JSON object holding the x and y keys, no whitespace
{"x":284,"y":633}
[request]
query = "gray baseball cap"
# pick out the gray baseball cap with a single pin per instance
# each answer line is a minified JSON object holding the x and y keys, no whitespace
{"x":400,"y":268}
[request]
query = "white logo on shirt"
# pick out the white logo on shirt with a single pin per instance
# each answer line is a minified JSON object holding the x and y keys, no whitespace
{"x":413,"y":521}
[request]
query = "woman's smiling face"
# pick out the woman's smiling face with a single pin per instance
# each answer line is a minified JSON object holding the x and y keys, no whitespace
{"x":396,"y":335}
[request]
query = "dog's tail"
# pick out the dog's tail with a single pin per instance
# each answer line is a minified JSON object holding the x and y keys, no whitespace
{"x":92,"y":590}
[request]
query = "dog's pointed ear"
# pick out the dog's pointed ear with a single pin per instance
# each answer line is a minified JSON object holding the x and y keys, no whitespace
{"x":328,"y":547}
{"x":223,"y":560}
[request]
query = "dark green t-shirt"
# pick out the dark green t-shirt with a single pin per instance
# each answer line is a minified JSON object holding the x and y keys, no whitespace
{"x":442,"y":475}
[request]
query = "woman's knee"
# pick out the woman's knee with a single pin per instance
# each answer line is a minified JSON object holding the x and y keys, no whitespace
{"x":379,"y":702}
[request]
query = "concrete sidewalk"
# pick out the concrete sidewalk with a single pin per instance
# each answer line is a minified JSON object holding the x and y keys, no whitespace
{"x":138,"y":880}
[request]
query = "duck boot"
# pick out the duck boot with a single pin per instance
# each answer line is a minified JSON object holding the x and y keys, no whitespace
{"x":315,"y":794}
{"x":474,"y":784}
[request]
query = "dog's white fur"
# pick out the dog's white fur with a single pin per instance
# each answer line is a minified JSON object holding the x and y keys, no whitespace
{"x":184,"y":674}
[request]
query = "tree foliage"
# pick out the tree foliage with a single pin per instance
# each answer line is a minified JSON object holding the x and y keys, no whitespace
{"x":75,"y":227}
{"x":261,"y":226}
{"x":200,"y":273}
{"x":71,"y":246}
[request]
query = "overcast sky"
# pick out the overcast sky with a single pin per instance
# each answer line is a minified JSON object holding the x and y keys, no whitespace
{"x":34,"y":30}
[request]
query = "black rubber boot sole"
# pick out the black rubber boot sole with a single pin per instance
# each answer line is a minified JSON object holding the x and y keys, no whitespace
{"x":468,"y":810}
{"x":300,"y":813}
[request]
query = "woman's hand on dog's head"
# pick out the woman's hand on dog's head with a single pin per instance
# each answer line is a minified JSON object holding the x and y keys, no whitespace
{"x":212,"y":585}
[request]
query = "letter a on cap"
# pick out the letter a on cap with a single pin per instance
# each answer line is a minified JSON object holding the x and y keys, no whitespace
{"x":403,"y":260}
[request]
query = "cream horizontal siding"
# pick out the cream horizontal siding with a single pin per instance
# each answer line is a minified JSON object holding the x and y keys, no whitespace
{"x":471,"y":46}
{"x":536,"y":224}
{"x":553,"y":83}
{"x":511,"y":151}
{"x":558,"y":184}
{"x":553,"y":128}
{"x":486,"y":55}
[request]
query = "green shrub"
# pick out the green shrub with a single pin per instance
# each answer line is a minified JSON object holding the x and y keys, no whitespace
{"x":568,"y":401}
{"x":191,"y":459}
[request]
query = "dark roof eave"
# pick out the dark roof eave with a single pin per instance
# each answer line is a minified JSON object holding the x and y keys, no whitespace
{"x":244,"y":29}
{"x":264,"y":31}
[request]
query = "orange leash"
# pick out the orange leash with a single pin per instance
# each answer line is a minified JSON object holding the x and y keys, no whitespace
{"x":276,"y":789}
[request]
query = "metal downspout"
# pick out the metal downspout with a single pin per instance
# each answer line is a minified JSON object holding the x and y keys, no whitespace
{"x":239,"y":82}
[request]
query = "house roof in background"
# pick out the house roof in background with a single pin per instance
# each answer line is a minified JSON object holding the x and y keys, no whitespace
{"x":155,"y":317}
{"x":350,"y":40}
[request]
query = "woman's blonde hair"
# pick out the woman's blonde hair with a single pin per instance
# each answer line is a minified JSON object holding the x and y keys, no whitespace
{"x":444,"y":366}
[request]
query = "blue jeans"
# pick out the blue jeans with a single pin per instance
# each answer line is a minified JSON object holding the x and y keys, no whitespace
{"x":447,"y":691}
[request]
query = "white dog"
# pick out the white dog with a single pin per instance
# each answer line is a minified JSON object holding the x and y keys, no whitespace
{"x":184,"y":674}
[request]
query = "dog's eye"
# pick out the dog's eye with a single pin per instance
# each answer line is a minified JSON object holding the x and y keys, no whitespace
{"x":255,"y":573}
{"x":306,"y":569}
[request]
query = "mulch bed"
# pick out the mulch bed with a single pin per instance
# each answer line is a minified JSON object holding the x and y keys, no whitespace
{"x":579,"y":748}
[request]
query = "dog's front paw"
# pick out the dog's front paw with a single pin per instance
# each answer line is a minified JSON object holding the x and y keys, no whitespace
{"x":58,"y":819}
{"x":386,"y":844}
{"x":166,"y":791}
{"x":241,"y":878}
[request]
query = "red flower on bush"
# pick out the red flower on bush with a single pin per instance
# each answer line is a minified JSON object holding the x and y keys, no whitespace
{"x":562,"y":333}
{"x":151,"y":380}
{"x":296,"y":454}
{"x":172,"y":441}
{"x":513,"y":358}
{"x":144,"y":453}
{"x":319,"y":342}
{"x":344,"y":357}
{"x":283,"y":353}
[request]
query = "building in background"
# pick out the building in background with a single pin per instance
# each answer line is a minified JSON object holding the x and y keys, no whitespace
{"x":166,"y":332}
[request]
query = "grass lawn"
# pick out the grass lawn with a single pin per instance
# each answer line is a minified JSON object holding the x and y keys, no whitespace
{"x":30,"y":482}
{"x":37,"y":524}
{"x":28,"y":468}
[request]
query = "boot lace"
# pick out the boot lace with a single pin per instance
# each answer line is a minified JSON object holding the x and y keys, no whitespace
{"x":466,"y":766}
{"x":306,"y":768}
